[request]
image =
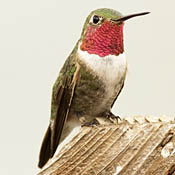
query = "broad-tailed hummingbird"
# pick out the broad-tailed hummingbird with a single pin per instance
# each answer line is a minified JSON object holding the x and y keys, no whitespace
{"x":90,"y":80}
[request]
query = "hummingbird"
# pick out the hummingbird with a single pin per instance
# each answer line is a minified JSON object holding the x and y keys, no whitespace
{"x":90,"y":80}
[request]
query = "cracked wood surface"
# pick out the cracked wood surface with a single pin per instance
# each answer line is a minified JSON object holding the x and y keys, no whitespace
{"x":137,"y":147}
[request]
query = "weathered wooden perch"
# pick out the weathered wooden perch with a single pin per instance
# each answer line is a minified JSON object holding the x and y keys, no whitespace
{"x":141,"y":147}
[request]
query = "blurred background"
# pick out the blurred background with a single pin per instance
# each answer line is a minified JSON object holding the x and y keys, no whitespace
{"x":37,"y":36}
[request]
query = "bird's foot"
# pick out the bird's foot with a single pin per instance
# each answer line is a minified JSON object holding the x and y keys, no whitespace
{"x":113,"y":118}
{"x":94,"y":122}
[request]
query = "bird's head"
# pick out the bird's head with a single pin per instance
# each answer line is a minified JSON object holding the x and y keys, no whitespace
{"x":103,"y":32}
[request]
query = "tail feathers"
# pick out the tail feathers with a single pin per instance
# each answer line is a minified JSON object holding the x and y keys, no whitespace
{"x":45,"y":152}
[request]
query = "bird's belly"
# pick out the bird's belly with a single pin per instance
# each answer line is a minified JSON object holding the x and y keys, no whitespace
{"x":94,"y":96}
{"x":99,"y":83}
{"x":89,"y":94}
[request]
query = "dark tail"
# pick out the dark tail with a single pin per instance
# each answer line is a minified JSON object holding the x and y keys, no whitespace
{"x":45,"y":151}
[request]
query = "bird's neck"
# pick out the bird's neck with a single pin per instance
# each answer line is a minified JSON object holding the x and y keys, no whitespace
{"x":109,"y":69}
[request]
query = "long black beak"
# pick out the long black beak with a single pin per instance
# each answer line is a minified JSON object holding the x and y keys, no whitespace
{"x":131,"y":16}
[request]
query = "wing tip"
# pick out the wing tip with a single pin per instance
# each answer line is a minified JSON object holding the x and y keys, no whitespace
{"x":45,"y":151}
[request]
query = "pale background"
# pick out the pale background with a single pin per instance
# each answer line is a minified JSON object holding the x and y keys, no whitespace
{"x":36,"y":36}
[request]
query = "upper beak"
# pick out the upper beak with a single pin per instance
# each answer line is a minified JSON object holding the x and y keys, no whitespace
{"x":131,"y":16}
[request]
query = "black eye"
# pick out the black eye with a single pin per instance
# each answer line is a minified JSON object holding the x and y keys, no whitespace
{"x":96,"y":19}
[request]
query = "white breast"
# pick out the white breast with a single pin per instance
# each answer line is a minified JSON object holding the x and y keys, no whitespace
{"x":110,"y":69}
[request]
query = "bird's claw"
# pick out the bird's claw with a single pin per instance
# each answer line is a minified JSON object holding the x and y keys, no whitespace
{"x":113,"y":119}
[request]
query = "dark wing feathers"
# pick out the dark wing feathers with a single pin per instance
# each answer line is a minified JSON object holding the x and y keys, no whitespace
{"x":53,"y":134}
{"x":45,"y":148}
{"x":60,"y":119}
{"x":61,"y":100}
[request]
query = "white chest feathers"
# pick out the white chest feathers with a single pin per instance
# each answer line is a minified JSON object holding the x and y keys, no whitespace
{"x":110,"y":69}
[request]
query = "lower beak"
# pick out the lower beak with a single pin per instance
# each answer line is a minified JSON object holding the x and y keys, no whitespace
{"x":131,"y":16}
